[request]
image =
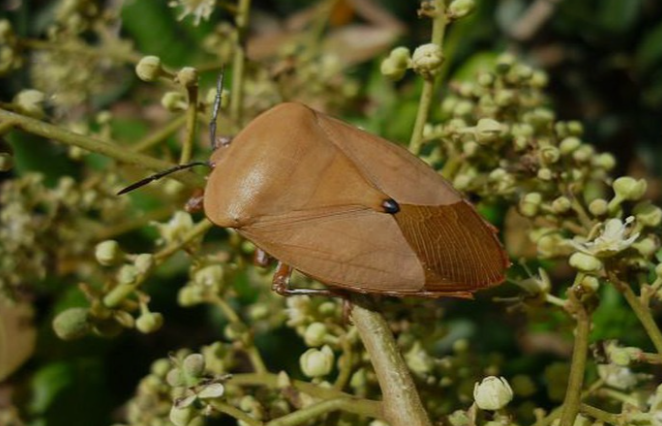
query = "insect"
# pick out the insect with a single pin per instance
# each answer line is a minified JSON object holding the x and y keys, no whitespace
{"x":349,"y":209}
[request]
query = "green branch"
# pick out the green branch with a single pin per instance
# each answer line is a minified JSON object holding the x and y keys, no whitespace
{"x":402,"y":404}
{"x":438,"y":30}
{"x":573,"y":393}
{"x":640,"y":311}
{"x":111,"y":150}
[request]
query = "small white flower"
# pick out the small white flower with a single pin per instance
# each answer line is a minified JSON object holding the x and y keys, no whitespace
{"x":198,"y":8}
{"x":612,"y":240}
{"x":493,"y":393}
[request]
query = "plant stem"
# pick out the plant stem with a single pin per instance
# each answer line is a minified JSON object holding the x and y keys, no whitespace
{"x":161,"y":134}
{"x":312,"y":411}
{"x":191,"y":122}
{"x":601,"y":415}
{"x":402,"y":404}
{"x":111,"y":150}
{"x":239,"y":61}
{"x":573,"y":394}
{"x":233,"y":411}
{"x":199,"y":229}
{"x":365,"y":407}
{"x":249,"y":348}
{"x":81,"y":49}
{"x":438,"y":31}
{"x":640,"y":311}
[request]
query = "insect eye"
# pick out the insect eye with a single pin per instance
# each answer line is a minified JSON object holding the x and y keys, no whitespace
{"x":391,"y":206}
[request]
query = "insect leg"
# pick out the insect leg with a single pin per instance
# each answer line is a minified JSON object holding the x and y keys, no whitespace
{"x":261,"y":258}
{"x":195,"y":203}
{"x":281,"y":284}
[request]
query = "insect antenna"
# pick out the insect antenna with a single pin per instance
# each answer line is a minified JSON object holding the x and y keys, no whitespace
{"x":217,"y":108}
{"x":161,"y":174}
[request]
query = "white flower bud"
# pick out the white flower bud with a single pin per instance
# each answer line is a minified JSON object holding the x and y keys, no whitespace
{"x":461,"y":8}
{"x":187,"y":77}
{"x":149,"y":322}
{"x":598,"y":207}
{"x":149,"y":68}
{"x":569,"y":145}
{"x":173,"y":101}
{"x":427,"y":59}
{"x":647,"y":214}
{"x":144,"y":262}
{"x":317,"y":363}
{"x":627,"y":188}
{"x":487,"y":130}
{"x":108,"y":253}
{"x":30,"y":102}
{"x":585,"y":262}
{"x":315,"y":334}
{"x":493,"y":393}
{"x":561,"y":205}
{"x":128,"y":274}
{"x":530,"y":203}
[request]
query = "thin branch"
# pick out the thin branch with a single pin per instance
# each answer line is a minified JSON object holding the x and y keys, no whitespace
{"x":573,"y":394}
{"x":239,"y":61}
{"x":316,"y":410}
{"x":109,"y":149}
{"x":438,"y":31}
{"x":402,"y":404}
{"x":640,"y":311}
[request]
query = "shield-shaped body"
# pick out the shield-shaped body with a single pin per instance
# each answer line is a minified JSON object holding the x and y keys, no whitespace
{"x":350,"y":209}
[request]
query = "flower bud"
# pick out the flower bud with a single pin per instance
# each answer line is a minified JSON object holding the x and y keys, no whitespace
{"x":427,"y":59}
{"x":647,"y":246}
{"x":128,"y":275}
{"x":391,"y":70}
{"x":461,"y":8}
{"x":187,"y":77}
{"x":583,"y":154}
{"x":144,"y":263}
{"x":598,"y":207}
{"x":545,"y":174}
{"x":190,"y":296}
{"x":317,"y":363}
{"x":647,"y":214}
{"x":108,"y":253}
{"x":530,"y":203}
{"x":395,"y":66}
{"x":549,"y":154}
{"x":504,"y":62}
{"x":72,"y":324}
{"x":209,"y":275}
{"x":569,"y":145}
{"x":585,"y":262}
{"x":176,"y":228}
{"x":470,"y":148}
{"x":539,"y":79}
{"x":561,"y":205}
{"x":30,"y":102}
{"x":627,"y":188}
{"x":605,"y":161}
{"x":486,"y":79}
{"x":149,"y":322}
{"x":149,"y":68}
{"x":493,"y":393}
{"x":160,"y":368}
{"x":315,"y":334}
{"x":174,"y":101}
{"x":487,"y":130}
{"x":194,"y":365}
{"x":182,"y":416}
